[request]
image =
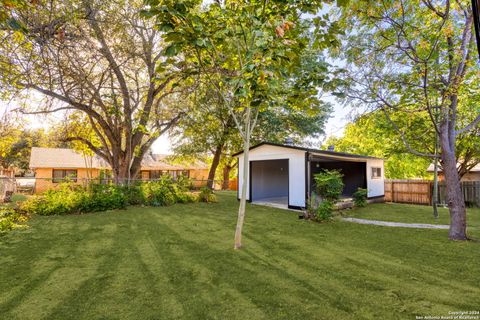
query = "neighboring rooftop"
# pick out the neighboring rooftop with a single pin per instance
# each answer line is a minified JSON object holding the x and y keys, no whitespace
{"x":474,"y":169}
{"x":317,"y":151}
{"x":61,"y":158}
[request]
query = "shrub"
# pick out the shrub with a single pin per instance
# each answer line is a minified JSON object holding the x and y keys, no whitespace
{"x":206,"y":195}
{"x":10,"y":219}
{"x":324,"y":210}
{"x":159,"y":193}
{"x":329,"y":186}
{"x":100,"y":197}
{"x":72,"y":198}
{"x":184,"y":183}
{"x":186,"y":197}
{"x":360,"y":197}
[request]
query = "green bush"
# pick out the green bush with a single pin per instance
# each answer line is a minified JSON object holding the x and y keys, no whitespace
{"x":186,"y":197}
{"x":329,"y":186}
{"x":72,"y":198}
{"x":184,"y":183}
{"x":360,"y":197}
{"x":10,"y":219}
{"x":206,"y":195}
{"x":159,"y":193}
{"x":324,"y":210}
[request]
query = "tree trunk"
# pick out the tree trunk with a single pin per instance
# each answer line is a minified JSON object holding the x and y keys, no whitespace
{"x":214,"y":166}
{"x":226,"y":177}
{"x":243,"y":196}
{"x":456,"y":203}
{"x":120,"y":171}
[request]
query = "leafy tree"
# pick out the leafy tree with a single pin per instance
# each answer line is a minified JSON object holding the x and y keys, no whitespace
{"x":16,"y":146}
{"x":298,"y":114}
{"x":243,"y":49}
{"x":417,"y":59}
{"x":371,"y":134}
{"x":98,"y":59}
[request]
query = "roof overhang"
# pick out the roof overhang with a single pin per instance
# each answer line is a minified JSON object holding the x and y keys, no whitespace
{"x":323,"y":153}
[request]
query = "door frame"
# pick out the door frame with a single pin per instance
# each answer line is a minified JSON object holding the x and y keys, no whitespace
{"x":250,"y":199}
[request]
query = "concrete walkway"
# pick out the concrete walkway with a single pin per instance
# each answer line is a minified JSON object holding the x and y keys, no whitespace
{"x":397,"y":224}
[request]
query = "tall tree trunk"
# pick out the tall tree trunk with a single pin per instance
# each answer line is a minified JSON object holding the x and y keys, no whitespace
{"x":214,"y":166}
{"x":226,"y":177}
{"x":243,"y":196}
{"x":456,"y":203}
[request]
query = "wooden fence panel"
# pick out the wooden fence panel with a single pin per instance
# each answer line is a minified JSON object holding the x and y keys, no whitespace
{"x":408,"y":191}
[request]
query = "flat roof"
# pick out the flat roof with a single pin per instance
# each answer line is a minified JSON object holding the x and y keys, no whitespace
{"x":317,"y":151}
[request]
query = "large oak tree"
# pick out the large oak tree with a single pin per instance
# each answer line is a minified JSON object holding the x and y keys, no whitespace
{"x":99,"y":59}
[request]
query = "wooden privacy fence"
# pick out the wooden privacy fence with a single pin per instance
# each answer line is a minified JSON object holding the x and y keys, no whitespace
{"x":421,"y":192}
{"x":408,"y":191}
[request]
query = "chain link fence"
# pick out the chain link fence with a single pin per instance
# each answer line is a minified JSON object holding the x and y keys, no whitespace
{"x":39,"y":185}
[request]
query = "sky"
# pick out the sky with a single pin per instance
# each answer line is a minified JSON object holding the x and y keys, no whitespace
{"x":334,"y":127}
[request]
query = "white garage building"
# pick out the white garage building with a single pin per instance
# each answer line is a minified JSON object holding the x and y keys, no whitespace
{"x":283,"y":174}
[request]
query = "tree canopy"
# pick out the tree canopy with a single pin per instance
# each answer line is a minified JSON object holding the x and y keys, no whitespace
{"x":416,"y":60}
{"x":97,"y":59}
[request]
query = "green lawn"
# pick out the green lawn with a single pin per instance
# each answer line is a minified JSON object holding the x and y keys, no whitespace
{"x":408,"y":213}
{"x":178,"y":263}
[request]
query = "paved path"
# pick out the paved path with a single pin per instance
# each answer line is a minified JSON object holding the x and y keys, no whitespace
{"x":397,"y":224}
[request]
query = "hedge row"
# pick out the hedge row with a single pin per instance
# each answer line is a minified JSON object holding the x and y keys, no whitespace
{"x":71,"y":198}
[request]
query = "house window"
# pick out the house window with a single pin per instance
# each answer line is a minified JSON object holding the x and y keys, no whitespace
{"x":155,"y":174}
{"x":59,"y":175}
{"x":376,"y":173}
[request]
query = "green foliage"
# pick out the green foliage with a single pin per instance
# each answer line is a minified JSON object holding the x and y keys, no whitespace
{"x":417,"y":62}
{"x":360,"y":197}
{"x":373,"y":135}
{"x":161,"y":192}
{"x":207,"y":195}
{"x":324,"y":210}
{"x":71,"y":198}
{"x":329,"y":184}
{"x":11,"y":218}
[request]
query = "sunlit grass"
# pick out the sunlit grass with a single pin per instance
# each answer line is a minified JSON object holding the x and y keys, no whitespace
{"x":178,"y":263}
{"x":407,"y":213}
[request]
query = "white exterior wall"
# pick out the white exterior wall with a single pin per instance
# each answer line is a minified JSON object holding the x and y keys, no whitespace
{"x":376,"y":187}
{"x":296,"y":170}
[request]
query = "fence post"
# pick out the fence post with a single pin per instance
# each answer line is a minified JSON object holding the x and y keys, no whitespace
{"x":393,"y":192}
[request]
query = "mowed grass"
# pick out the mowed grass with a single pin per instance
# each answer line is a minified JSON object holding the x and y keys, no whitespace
{"x":178,"y":263}
{"x":408,"y":213}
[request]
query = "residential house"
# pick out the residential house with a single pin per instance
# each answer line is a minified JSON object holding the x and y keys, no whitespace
{"x":54,"y":165}
{"x":472,"y":175}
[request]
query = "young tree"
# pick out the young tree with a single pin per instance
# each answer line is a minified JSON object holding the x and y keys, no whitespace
{"x":98,"y":59}
{"x":296,"y":113}
{"x":244,"y":49}
{"x":416,"y":57}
